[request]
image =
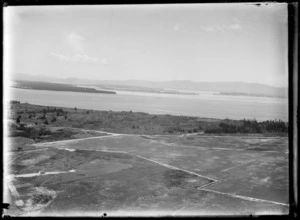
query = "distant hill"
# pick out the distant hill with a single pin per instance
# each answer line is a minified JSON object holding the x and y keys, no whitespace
{"x":39,"y":85}
{"x":241,"y":87}
{"x":225,"y":87}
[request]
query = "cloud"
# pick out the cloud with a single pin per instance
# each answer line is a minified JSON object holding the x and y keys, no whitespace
{"x":207,"y":28}
{"x":81,"y":58}
{"x":75,"y":41}
{"x":176,"y":27}
{"x":234,"y":26}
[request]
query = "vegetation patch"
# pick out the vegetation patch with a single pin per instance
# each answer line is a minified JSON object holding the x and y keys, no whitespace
{"x":175,"y":178}
{"x":132,"y":122}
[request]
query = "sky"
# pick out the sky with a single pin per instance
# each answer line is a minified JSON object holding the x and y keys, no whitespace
{"x":197,"y":42}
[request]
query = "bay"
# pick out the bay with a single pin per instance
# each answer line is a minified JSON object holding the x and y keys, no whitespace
{"x":205,"y":104}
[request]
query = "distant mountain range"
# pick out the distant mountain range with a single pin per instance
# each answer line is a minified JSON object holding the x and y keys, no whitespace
{"x":225,"y":87}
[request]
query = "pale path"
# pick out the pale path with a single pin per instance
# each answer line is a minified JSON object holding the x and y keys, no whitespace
{"x":196,"y":147}
{"x":38,"y":174}
{"x":73,"y":140}
{"x":237,"y":165}
{"x":245,"y":197}
{"x":177,"y":211}
{"x":137,"y":135}
{"x":162,"y":164}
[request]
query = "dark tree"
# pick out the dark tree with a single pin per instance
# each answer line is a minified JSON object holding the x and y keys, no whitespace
{"x":53,"y":119}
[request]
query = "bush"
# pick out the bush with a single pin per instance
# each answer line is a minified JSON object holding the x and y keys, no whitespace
{"x":41,"y":198}
{"x":31,"y":132}
{"x":53,"y":119}
{"x":44,"y":131}
{"x":43,"y":117}
{"x":213,"y":130}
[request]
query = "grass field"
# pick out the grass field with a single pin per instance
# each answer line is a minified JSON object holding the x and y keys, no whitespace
{"x":121,"y":163}
{"x":127,"y":174}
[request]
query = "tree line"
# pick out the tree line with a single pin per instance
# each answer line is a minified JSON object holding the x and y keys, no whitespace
{"x":249,"y":126}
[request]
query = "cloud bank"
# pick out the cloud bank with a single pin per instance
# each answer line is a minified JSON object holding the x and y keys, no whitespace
{"x":209,"y":28}
{"x":75,"y":41}
{"x":81,"y":58}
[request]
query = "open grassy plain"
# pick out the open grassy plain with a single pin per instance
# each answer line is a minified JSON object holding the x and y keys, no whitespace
{"x":86,"y":172}
{"x":128,"y":174}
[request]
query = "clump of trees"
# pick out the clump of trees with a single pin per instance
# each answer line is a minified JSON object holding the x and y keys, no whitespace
{"x":53,"y":119}
{"x":14,"y":102}
{"x":43,"y":117}
{"x":275,"y":126}
{"x":31,"y":132}
{"x":178,"y":129}
{"x":249,"y":126}
{"x":52,"y":110}
{"x":41,"y":198}
{"x":18,"y":120}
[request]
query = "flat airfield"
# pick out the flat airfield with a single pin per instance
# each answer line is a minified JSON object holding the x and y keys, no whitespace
{"x":122,"y":174}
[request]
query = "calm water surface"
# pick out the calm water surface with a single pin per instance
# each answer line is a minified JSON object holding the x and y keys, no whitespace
{"x":205,"y":104}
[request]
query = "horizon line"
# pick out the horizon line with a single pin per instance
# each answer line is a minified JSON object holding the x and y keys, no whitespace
{"x":157,"y":81}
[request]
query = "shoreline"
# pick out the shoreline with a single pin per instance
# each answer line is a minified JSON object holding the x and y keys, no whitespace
{"x":159,"y":104}
{"x":142,"y":123}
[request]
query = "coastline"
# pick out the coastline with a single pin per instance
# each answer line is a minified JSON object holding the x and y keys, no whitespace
{"x":140,"y":122}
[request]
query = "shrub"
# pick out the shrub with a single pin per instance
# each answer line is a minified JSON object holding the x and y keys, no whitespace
{"x":44,"y":131}
{"x":213,"y":130}
{"x":41,"y":198}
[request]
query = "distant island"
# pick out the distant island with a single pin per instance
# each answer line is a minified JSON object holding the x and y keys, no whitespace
{"x":249,"y":94}
{"x":39,"y":85}
{"x":144,"y":89}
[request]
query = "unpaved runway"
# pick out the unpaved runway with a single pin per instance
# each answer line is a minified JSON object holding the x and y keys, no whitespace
{"x":203,"y":188}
